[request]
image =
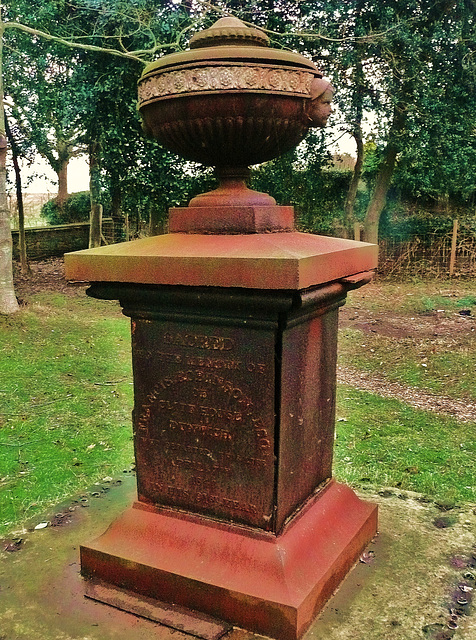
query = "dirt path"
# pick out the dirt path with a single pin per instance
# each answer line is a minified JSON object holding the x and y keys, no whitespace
{"x":444,"y":330}
{"x":45,"y":275}
{"x":432,"y":325}
{"x":463,"y":410}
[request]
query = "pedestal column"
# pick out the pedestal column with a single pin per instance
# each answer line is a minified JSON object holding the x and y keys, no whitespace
{"x":237,"y":513}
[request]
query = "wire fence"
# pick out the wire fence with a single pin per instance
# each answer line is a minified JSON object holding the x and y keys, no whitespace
{"x":438,"y":254}
{"x":32,"y":204}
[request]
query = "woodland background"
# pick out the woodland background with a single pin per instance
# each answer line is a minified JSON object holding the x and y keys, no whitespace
{"x":404,"y":71}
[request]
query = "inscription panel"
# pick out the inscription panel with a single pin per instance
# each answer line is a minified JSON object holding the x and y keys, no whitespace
{"x":204,"y":419}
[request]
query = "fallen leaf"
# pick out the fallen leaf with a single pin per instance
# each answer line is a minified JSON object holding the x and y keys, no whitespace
{"x":367,"y":557}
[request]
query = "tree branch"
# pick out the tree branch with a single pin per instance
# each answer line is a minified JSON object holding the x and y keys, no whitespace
{"x":304,"y":34}
{"x":73,"y":45}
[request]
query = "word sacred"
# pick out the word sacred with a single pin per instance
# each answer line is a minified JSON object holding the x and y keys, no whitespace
{"x":199,"y":341}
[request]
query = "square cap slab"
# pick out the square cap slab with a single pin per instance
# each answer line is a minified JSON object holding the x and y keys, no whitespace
{"x":290,"y":260}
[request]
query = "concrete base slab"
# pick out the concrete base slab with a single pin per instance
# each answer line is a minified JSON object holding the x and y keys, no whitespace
{"x":169,"y":615}
{"x":274,"y":585}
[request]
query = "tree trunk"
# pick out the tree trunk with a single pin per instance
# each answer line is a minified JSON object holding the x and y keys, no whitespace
{"x":358,"y":114}
{"x":63,"y":148}
{"x":349,"y":205}
{"x":155,"y":221}
{"x":95,"y":219}
{"x":62,"y":183}
{"x":382,"y":182}
{"x":379,"y":196}
{"x":25,"y":267}
{"x":8,"y":301}
{"x":116,"y":200}
{"x":116,"y":209}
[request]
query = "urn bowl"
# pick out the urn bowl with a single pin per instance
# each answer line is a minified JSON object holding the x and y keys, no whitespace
{"x":229,"y":101}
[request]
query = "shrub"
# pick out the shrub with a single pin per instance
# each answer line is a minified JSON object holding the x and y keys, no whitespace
{"x":317,"y":194}
{"x":76,"y":208}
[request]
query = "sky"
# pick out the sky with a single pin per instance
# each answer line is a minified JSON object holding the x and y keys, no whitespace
{"x":78,"y":177}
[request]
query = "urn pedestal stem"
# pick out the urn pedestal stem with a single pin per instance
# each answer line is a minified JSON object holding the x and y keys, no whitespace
{"x":233,"y":191}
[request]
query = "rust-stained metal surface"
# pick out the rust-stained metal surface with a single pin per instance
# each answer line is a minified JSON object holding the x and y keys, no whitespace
{"x":234,"y":397}
{"x":204,"y":418}
{"x":307,"y":400}
{"x":234,"y":325}
{"x":258,"y":126}
{"x":237,"y":513}
{"x":231,"y":100}
{"x":225,"y":219}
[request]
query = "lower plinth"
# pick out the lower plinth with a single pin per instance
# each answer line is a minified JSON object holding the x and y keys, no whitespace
{"x":270,"y":584}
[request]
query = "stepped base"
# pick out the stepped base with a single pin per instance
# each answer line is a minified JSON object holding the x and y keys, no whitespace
{"x":273,"y":585}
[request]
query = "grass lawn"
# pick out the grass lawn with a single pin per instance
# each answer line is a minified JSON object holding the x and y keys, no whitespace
{"x":65,"y":401}
{"x":436,"y":349}
{"x":413,"y":335}
{"x":385,"y":443}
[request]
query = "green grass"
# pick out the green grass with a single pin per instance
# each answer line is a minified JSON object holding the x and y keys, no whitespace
{"x":385,"y":443}
{"x":416,"y":297}
{"x":65,"y":402}
{"x":433,"y":364}
{"x":443,"y":363}
{"x":437,"y":302}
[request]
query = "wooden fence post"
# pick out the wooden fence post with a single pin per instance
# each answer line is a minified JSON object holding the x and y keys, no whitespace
{"x":356,"y":230}
{"x":453,"y":247}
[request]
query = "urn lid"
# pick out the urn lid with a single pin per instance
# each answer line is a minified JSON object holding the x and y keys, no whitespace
{"x":228,"y":31}
{"x":231,"y":40}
